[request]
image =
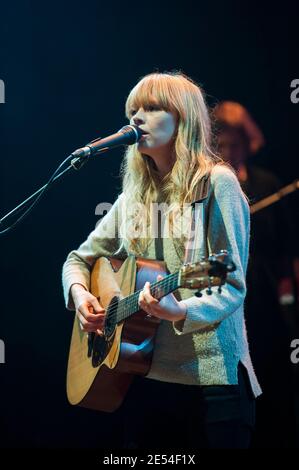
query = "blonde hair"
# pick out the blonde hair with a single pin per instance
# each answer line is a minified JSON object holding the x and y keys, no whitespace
{"x":173,"y":92}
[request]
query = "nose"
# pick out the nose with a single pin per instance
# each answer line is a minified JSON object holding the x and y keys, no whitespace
{"x":138,"y":117}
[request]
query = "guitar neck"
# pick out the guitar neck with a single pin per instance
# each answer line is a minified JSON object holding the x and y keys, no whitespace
{"x":129,"y":305}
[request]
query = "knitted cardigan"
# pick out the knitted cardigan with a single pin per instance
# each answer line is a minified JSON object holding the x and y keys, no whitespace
{"x":206,"y":347}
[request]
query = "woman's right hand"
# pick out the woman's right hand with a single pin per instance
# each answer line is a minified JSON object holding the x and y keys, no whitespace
{"x":88,"y":309}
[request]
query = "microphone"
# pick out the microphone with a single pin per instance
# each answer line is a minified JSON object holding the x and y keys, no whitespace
{"x":127,"y":135}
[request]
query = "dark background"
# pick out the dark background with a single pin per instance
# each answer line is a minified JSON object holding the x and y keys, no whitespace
{"x":67,"y":69}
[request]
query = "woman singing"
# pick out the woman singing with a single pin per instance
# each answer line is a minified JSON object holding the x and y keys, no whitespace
{"x":201,"y":387}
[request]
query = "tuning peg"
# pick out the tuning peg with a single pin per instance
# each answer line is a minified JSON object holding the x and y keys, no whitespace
{"x":198,"y":293}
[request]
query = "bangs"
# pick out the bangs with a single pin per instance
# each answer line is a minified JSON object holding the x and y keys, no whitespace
{"x":154,"y":89}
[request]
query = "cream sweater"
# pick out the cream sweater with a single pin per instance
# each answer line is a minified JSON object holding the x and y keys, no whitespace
{"x":206,"y":347}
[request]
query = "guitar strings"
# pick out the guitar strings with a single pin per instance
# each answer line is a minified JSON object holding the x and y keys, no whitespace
{"x":127,"y":303}
{"x":132,"y":300}
{"x":122,"y":307}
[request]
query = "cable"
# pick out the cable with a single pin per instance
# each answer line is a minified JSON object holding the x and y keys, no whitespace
{"x":38,"y":198}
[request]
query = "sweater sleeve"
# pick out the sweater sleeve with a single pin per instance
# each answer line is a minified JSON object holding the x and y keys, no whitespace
{"x":102,"y":241}
{"x":228,"y":229}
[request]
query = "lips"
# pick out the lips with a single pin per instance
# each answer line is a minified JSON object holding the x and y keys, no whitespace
{"x":144,"y":134}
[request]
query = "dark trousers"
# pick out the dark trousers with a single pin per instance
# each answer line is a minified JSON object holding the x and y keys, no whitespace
{"x":161,"y":415}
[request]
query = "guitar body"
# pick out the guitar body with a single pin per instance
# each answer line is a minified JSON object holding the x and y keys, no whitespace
{"x":102,"y":367}
{"x":100,"y":379}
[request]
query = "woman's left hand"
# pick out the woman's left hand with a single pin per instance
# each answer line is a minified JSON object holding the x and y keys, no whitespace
{"x":168,"y":308}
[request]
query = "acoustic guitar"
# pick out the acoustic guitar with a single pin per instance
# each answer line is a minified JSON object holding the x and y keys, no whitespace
{"x":102,"y":367}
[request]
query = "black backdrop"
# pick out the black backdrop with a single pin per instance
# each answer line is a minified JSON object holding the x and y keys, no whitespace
{"x":67,"y":70}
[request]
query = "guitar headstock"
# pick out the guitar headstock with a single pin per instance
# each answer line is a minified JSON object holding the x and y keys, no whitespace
{"x":208,"y":272}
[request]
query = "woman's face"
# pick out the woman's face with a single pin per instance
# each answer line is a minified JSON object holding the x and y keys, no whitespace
{"x":159,"y":128}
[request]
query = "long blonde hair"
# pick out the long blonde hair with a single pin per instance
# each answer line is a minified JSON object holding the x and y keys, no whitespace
{"x":173,"y":92}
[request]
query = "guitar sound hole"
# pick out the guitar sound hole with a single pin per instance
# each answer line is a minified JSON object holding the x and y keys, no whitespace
{"x":110,"y":319}
{"x":102,"y":344}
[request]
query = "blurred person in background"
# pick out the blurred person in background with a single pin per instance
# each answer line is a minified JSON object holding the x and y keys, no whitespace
{"x":271,"y":278}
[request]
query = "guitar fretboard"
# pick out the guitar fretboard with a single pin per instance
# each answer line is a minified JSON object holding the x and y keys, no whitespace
{"x":126,"y":307}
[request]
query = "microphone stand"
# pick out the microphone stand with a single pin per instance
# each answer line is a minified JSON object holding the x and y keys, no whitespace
{"x":76,"y":163}
{"x":127,"y":135}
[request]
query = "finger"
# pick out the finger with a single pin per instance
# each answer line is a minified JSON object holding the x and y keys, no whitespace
{"x":85,"y":328}
{"x":90,"y":328}
{"x":83,"y":322}
{"x":94,"y":321}
{"x":144,"y":305}
{"x":149,"y":309}
{"x":93,"y":311}
{"x":96,"y":305}
{"x":146,"y":287}
{"x":159,"y":277}
{"x":87,"y":311}
{"x":146,"y":292}
{"x":150,"y":299}
{"x":146,"y":308}
{"x":87,"y":325}
{"x":140,"y":298}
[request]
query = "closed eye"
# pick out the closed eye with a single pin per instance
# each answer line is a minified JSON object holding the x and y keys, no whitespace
{"x":147,"y":108}
{"x":152,"y":107}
